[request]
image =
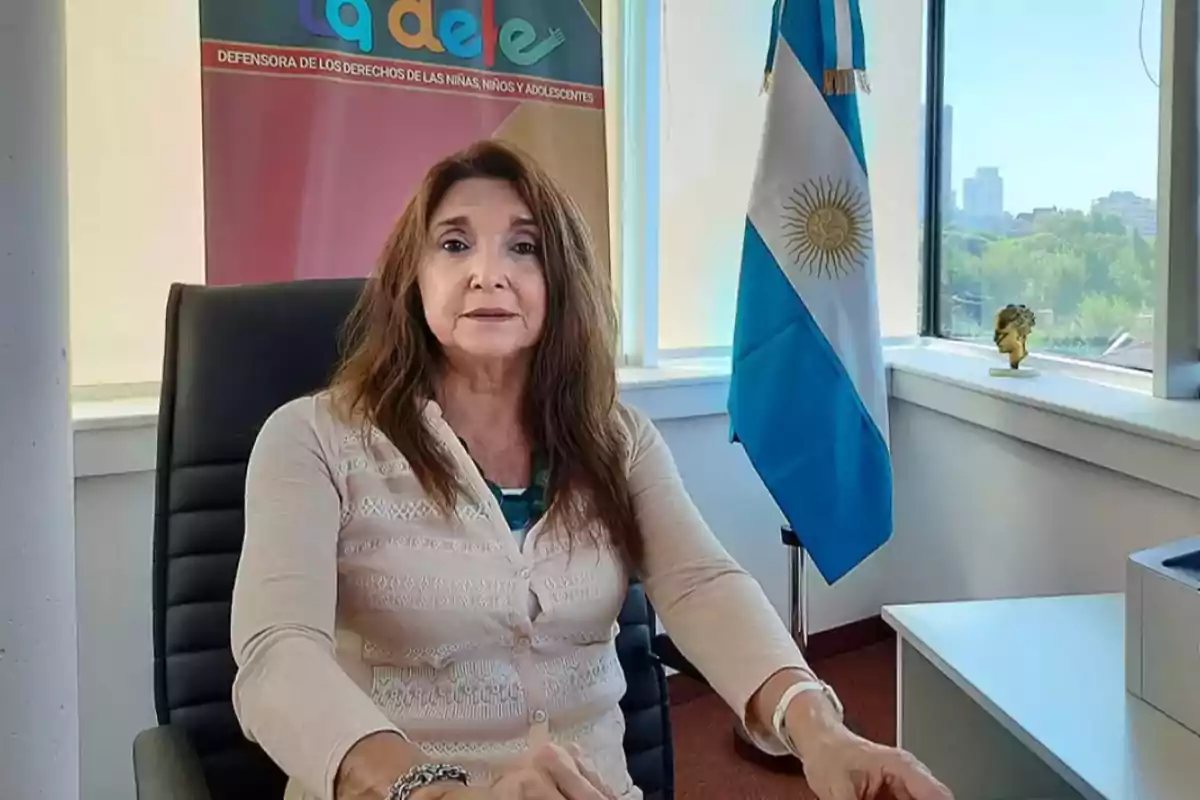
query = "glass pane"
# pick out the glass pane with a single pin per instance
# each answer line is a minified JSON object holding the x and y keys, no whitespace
{"x":891,"y":127}
{"x":1050,"y":139}
{"x":711,"y":121}
{"x":712,"y":116}
{"x":135,"y":183}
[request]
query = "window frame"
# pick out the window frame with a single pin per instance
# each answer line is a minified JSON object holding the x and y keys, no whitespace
{"x":931,"y":214}
{"x":1177,"y":303}
{"x":637,"y":244}
{"x":1176,"y":346}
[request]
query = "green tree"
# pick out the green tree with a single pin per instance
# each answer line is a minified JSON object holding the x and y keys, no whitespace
{"x":1102,"y":316}
{"x":1087,"y":276}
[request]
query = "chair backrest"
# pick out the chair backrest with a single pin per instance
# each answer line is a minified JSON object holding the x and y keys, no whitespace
{"x":233,"y":355}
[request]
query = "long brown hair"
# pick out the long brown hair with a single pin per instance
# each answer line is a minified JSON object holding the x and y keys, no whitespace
{"x":571,"y":390}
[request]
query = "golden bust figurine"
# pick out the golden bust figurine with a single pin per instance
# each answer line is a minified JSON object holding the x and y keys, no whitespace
{"x":1013,"y":326}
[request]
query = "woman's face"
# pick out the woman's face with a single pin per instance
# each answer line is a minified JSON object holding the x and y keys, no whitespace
{"x":481,"y":282}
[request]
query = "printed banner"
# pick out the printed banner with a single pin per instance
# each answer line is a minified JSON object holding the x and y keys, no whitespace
{"x":322,"y":116}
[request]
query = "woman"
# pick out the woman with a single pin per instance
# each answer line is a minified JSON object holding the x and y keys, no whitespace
{"x":438,"y":545}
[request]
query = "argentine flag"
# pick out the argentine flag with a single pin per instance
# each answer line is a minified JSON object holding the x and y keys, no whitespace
{"x":808,"y":396}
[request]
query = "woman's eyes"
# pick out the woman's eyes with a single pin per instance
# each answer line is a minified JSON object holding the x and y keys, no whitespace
{"x":459,"y":246}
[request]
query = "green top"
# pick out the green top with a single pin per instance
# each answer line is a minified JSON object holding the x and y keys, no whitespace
{"x":522,"y":510}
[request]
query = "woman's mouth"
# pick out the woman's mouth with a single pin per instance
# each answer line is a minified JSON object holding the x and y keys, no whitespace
{"x":489,"y":314}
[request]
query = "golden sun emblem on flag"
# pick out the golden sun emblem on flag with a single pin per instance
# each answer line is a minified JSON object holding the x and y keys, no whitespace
{"x":827,"y":227}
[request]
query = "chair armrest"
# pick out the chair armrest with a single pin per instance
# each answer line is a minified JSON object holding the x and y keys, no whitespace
{"x":165,"y":767}
{"x":668,"y":655}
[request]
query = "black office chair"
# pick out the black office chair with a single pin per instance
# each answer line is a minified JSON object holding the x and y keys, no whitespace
{"x":233,"y":355}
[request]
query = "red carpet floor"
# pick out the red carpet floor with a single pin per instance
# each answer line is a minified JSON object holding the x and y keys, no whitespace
{"x":707,"y":767}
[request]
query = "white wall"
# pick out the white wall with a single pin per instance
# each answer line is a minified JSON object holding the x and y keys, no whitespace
{"x":738,"y":508}
{"x":979,"y":514}
{"x":113,"y":519}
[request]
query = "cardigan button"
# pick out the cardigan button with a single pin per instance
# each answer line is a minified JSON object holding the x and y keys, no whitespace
{"x":539,"y":716}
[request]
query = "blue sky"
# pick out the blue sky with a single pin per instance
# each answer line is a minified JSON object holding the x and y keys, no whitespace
{"x":1054,"y":94}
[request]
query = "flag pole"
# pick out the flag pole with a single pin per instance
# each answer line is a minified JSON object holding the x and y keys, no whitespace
{"x":797,"y":587}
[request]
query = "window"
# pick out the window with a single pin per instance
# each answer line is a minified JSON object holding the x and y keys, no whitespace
{"x":1046,"y":192}
{"x":712,"y":113}
{"x":135,"y":182}
{"x":892,"y":125}
{"x":711,"y":116}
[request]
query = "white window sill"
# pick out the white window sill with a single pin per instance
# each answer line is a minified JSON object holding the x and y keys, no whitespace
{"x":1105,"y":417}
{"x":1120,"y":428}
{"x":113,"y":437}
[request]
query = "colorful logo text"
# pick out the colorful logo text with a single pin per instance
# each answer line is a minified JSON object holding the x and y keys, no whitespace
{"x":415,"y":25}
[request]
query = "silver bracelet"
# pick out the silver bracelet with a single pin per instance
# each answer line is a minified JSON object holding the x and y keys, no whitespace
{"x":424,"y":775}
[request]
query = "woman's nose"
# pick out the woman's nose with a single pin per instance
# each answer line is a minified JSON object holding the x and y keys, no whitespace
{"x":488,"y":271}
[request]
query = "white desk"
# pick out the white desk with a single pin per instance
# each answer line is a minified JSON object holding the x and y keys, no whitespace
{"x":1025,"y":699}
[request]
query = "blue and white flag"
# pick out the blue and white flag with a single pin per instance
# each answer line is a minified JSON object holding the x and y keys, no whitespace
{"x":808,"y":398}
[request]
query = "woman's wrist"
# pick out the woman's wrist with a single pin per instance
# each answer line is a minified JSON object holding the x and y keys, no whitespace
{"x":811,"y":723}
{"x":374,"y":764}
{"x":429,"y":782}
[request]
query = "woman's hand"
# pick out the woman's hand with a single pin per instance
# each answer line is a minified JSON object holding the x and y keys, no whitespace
{"x":845,"y":766}
{"x":549,"y":772}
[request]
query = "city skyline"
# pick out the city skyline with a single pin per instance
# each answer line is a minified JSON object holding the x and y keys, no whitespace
{"x":990,"y":198}
{"x":986,"y":181}
{"x":1067,"y":118}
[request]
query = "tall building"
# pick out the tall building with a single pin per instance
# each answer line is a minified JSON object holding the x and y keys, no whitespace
{"x":983,"y":194}
{"x":1139,"y":213}
{"x":945,"y":179}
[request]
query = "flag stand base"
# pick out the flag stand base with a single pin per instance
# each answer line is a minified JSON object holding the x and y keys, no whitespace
{"x":798,"y":626}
